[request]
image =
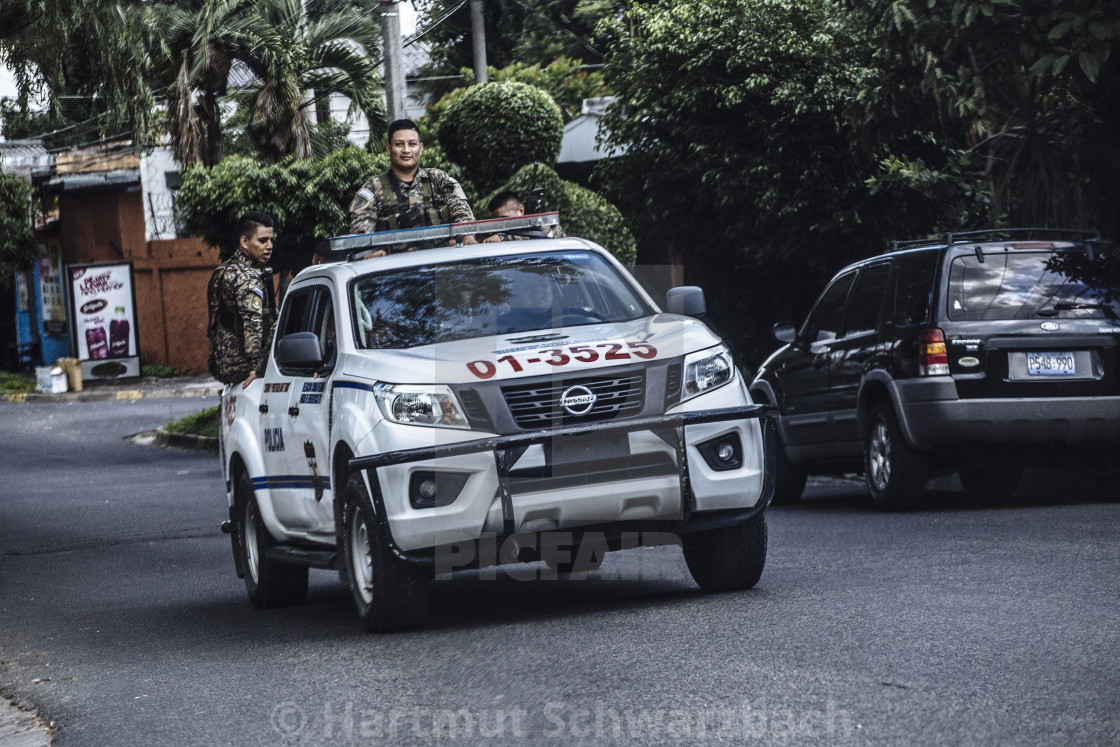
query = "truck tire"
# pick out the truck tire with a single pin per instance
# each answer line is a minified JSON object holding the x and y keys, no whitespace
{"x":991,"y":483}
{"x":895,"y":471}
{"x":388,"y":593}
{"x":728,"y":558}
{"x":268,"y":582}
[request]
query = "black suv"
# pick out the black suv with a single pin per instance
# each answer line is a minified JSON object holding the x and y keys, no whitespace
{"x":979,"y":353}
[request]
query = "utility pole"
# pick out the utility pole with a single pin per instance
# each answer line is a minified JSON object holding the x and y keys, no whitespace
{"x":394,"y":51}
{"x":478,"y":39}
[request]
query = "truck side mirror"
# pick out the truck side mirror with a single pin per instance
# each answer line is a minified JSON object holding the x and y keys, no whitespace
{"x":299,"y":350}
{"x":687,"y":300}
{"x":784,"y":332}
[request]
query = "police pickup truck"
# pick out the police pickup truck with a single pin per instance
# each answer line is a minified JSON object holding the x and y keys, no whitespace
{"x":521,"y":401}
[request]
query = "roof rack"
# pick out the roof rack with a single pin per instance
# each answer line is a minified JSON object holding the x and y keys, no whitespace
{"x":992,"y":234}
{"x":355,"y":243}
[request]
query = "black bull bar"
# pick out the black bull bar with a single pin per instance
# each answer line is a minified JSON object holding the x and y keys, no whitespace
{"x":670,"y":428}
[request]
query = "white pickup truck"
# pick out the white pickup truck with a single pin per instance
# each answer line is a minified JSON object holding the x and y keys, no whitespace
{"x":453,"y":408}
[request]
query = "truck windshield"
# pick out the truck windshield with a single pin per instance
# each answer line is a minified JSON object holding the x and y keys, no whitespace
{"x":490,"y":296}
{"x":1031,"y":285}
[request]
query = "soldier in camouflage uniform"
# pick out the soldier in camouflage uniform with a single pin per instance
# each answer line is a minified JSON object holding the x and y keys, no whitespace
{"x":242,"y":317}
{"x":407,"y":196}
{"x":505,"y":204}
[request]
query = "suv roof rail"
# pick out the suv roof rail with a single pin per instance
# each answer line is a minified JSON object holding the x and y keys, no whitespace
{"x":996,"y":234}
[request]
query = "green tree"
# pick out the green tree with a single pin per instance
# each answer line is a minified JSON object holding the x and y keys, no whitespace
{"x":564,"y":79}
{"x":740,"y":161}
{"x":88,"y":61}
{"x":1021,"y":96}
{"x":18,"y":250}
{"x":525,"y":31}
{"x":299,"y":55}
{"x":494,"y":129}
{"x":308,"y":198}
{"x":583,"y":213}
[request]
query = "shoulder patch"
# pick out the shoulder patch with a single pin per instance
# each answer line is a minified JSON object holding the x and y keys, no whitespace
{"x":258,"y":290}
{"x":255,"y":303}
{"x":365,"y":194}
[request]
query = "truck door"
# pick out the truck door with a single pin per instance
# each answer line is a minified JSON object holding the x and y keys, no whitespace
{"x":308,"y":419}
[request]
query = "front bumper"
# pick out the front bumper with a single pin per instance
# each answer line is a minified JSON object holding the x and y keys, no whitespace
{"x":692,"y":495}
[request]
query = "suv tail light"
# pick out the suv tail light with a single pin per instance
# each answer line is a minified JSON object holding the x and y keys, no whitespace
{"x":932,"y":357}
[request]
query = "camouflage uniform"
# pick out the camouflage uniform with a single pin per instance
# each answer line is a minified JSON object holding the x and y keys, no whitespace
{"x":377,"y":208}
{"x":241,"y":320}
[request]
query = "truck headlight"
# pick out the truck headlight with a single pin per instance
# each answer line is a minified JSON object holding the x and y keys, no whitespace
{"x":420,"y":405}
{"x":706,"y":370}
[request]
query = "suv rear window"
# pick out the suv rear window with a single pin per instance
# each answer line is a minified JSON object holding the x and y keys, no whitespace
{"x":1027,"y":285}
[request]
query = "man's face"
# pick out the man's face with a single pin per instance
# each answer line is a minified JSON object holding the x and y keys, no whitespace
{"x":511,"y":209}
{"x":404,"y":150}
{"x":258,"y":247}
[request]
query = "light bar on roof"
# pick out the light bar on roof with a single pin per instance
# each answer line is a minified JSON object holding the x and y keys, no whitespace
{"x":352,"y":244}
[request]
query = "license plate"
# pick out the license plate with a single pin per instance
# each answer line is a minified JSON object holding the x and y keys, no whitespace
{"x":1051,"y":364}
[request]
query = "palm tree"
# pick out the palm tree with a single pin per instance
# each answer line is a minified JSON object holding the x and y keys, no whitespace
{"x":295,"y":58}
{"x":304,"y":59}
{"x":200,"y":47}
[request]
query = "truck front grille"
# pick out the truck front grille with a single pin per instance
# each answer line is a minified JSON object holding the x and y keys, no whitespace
{"x":538,"y":405}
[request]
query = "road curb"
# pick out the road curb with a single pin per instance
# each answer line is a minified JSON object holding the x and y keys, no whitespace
{"x":207,"y":389}
{"x":186,"y":441}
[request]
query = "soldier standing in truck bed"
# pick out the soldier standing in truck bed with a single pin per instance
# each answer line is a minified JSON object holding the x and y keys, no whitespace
{"x":407,"y":196}
{"x":239,"y":298}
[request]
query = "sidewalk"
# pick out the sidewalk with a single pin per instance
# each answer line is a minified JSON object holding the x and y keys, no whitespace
{"x":139,"y":388}
{"x":20,"y":728}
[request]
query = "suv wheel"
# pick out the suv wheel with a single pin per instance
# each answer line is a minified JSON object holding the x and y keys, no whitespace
{"x":728,"y":558}
{"x":267,"y":582}
{"x":895,"y":471}
{"x":389,"y":594}
{"x":991,"y":483}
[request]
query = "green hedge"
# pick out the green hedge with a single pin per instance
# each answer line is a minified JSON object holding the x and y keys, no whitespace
{"x":583,"y":213}
{"x":494,"y":129}
{"x":309,"y":199}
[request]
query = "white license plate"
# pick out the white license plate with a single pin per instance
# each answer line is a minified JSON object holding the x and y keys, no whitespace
{"x":1051,"y":364}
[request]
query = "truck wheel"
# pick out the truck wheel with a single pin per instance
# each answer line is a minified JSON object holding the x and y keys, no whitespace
{"x":268,"y":583}
{"x":991,"y":483}
{"x":389,"y":594}
{"x":895,"y":471}
{"x":728,"y":558}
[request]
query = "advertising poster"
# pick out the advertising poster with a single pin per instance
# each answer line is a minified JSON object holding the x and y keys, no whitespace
{"x":104,"y":306}
{"x":50,"y":285}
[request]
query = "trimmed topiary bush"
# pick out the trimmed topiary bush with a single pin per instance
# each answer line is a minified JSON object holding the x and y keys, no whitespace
{"x":494,"y":129}
{"x":583,"y":213}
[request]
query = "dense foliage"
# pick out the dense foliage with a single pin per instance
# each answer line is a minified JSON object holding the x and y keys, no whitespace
{"x":494,"y":129}
{"x":18,"y":250}
{"x":583,"y":213}
{"x":1022,"y":98}
{"x":740,"y":163}
{"x":564,"y":79}
{"x":528,"y":32}
{"x":308,"y":198}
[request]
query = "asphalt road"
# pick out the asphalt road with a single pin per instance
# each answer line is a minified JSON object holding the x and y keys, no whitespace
{"x":122,"y":621}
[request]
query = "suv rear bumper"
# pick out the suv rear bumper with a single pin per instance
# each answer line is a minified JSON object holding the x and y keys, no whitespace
{"x":931,"y":414}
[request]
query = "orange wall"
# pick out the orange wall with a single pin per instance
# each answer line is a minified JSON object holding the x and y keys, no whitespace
{"x":170,"y":276}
